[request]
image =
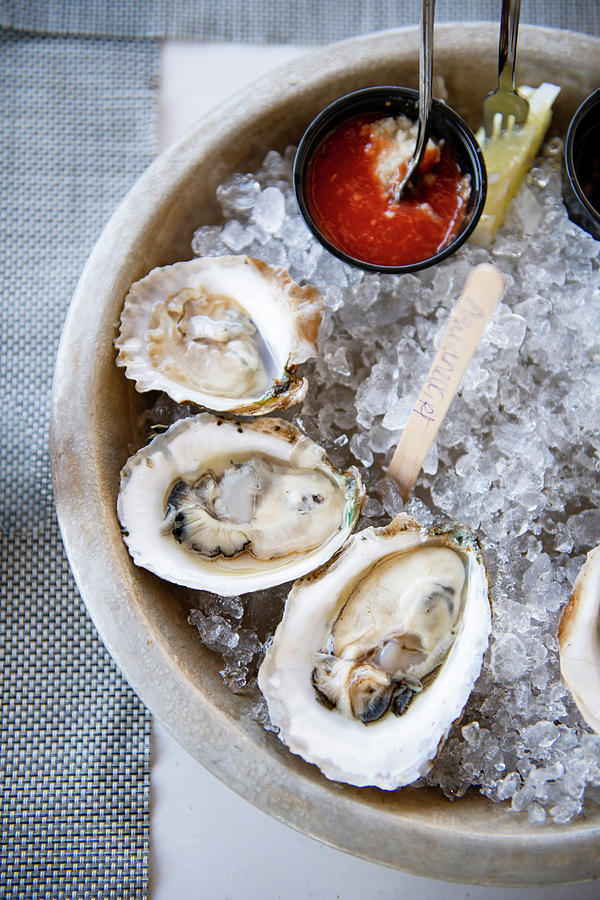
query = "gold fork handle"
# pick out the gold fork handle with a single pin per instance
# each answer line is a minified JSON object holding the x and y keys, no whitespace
{"x":507,"y":49}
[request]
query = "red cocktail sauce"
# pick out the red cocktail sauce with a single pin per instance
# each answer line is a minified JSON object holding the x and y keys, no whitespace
{"x":356,"y":213}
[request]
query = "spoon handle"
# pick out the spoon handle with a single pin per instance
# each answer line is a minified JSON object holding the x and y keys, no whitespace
{"x":477,"y":302}
{"x":425,"y":75}
{"x":425,"y":92}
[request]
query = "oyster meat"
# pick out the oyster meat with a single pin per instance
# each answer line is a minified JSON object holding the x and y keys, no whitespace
{"x":224,"y":332}
{"x":579,"y":641}
{"x":231,"y":507}
{"x":377,"y":653}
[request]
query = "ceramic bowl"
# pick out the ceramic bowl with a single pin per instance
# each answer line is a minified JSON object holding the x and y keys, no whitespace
{"x":142,"y":620}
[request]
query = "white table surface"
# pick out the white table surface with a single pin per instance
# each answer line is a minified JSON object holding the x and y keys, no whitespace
{"x":206,"y":843}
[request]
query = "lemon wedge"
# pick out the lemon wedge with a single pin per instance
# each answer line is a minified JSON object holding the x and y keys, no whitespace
{"x":509,"y":156}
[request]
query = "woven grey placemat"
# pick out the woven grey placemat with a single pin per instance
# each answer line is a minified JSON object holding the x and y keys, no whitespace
{"x":76,"y":128}
{"x":293,"y":21}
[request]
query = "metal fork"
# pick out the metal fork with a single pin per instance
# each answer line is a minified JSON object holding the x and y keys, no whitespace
{"x":505,"y":99}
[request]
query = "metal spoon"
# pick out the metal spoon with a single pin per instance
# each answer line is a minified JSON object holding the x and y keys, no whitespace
{"x":425,"y":80}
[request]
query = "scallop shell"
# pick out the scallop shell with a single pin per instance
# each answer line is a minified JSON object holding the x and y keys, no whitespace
{"x":225,"y":333}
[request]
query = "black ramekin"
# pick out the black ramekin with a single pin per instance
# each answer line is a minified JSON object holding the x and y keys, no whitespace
{"x":583,"y":138}
{"x":445,"y":123}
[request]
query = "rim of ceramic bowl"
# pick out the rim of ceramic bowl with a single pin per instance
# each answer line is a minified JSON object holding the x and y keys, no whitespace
{"x":471,"y":840}
{"x":445,"y":123}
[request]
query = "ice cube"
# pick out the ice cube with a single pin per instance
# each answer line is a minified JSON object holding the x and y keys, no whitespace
{"x":269,"y":210}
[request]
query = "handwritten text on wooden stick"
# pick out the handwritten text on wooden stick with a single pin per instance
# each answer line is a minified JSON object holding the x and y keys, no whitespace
{"x":476,"y":304}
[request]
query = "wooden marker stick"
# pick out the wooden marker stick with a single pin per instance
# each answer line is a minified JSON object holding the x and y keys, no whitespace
{"x":477,"y":302}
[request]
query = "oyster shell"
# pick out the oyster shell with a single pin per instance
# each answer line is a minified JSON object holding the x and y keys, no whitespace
{"x":232,"y":507}
{"x":223,"y":332}
{"x":377,"y":653}
{"x":579,"y":641}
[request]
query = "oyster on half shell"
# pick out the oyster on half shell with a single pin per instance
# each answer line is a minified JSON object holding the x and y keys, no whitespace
{"x":232,"y":507}
{"x":226,"y":333}
{"x":377,"y":653}
{"x":579,"y":641}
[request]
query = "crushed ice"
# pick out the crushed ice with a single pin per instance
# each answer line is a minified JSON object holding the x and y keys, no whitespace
{"x":517,"y":459}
